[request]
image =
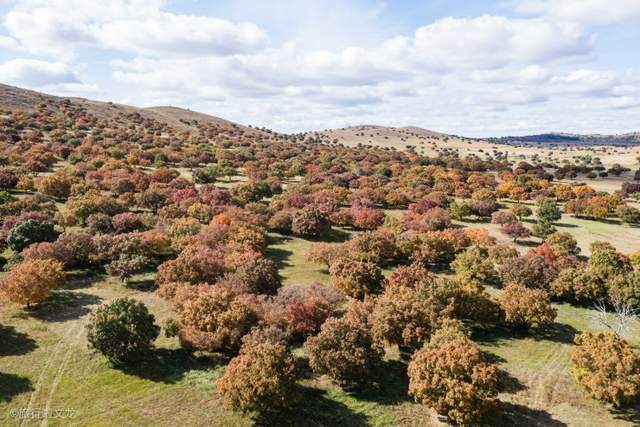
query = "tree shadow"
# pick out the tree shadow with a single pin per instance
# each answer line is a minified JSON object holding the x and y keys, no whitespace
{"x":512,"y":414}
{"x":335,"y":235}
{"x":82,"y":279}
{"x":528,"y":243}
{"x":65,"y":305}
{"x":391,"y":385}
{"x":12,"y":385}
{"x":507,"y":383}
{"x":565,"y":225}
{"x":556,"y":332}
{"x":279,"y":256}
{"x":313,"y":408}
{"x":15,"y":343}
{"x":143,"y":285}
{"x":169,"y":366}
{"x":629,"y":412}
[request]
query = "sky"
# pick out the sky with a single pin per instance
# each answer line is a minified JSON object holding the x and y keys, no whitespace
{"x":467,"y":67}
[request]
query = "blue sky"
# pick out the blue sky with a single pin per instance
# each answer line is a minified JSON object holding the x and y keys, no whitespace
{"x":477,"y":68}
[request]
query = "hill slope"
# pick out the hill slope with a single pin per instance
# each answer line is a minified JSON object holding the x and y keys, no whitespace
{"x":14,"y":98}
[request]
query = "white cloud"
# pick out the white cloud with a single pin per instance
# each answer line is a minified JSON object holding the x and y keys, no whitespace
{"x":582,"y":11}
{"x":36,"y":74}
{"x":140,"y":27}
{"x":495,"y":41}
{"x":8,"y":42}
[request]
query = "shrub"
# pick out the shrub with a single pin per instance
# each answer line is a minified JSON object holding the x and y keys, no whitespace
{"x":31,"y":281}
{"x":367,"y":218}
{"x":281,"y":222}
{"x":30,"y":231}
{"x":578,"y":285}
{"x":8,"y":180}
{"x":548,"y":209}
{"x":122,"y":330}
{"x":345,"y":351}
{"x":258,"y":275}
{"x":543,"y":228}
{"x":195,"y":264}
{"x":126,"y":266}
{"x":606,"y":366}
{"x":99,"y":223}
{"x":520,"y":211}
{"x":474,"y":265}
{"x":460,"y":210}
{"x":378,"y":247}
{"x":625,"y":290}
{"x":309,"y":221}
{"x":562,"y":243}
{"x":530,"y":271}
{"x":56,"y":185}
{"x":126,"y":222}
{"x":261,"y":378}
{"x":503,"y":217}
{"x":605,"y":262}
{"x":450,"y":376}
{"x":212,"y":318}
{"x":516,"y":230}
{"x":410,"y":308}
{"x":356,"y":278}
{"x":525,"y":307}
{"x":629,"y":215}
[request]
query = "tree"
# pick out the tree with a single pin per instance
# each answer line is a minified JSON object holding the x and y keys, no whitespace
{"x":460,"y":210}
{"x":367,"y":218}
{"x":30,"y":231}
{"x":126,"y":266}
{"x":548,"y":209}
{"x":474,"y":265}
{"x":258,"y":275}
{"x":309,"y":221}
{"x":410,"y":308}
{"x":8,"y":180}
{"x":503,"y":217}
{"x":261,"y":378}
{"x":214,"y":318}
{"x":625,"y":290}
{"x":543,"y":228}
{"x":562,"y":243}
{"x":122,"y":330}
{"x":605,"y":262}
{"x":515,"y":230}
{"x":629,"y":215}
{"x":345,"y":351}
{"x":31,"y":281}
{"x":606,"y":366}
{"x":356,"y":279}
{"x":525,"y":307}
{"x":520,"y":211}
{"x":450,"y":376}
{"x":578,"y":285}
{"x":530,"y":271}
{"x":56,"y":185}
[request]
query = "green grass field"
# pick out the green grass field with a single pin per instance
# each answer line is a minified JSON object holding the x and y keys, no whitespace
{"x":45,"y":365}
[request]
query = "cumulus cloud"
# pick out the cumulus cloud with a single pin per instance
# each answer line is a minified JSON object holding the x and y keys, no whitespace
{"x":140,"y":27}
{"x":495,"y":41}
{"x":582,"y":11}
{"x":34,"y":73}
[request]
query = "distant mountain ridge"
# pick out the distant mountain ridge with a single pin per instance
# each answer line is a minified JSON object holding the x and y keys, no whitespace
{"x":632,"y":138}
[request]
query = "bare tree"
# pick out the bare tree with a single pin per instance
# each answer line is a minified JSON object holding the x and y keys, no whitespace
{"x":619,"y":321}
